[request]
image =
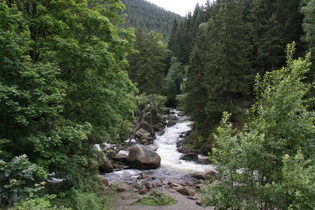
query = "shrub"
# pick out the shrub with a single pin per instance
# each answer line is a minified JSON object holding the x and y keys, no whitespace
{"x":19,"y":178}
{"x":268,"y":165}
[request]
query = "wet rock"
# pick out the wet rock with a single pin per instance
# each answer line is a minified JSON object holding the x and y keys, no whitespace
{"x":180,"y":114}
{"x":174,"y":185}
{"x":118,"y":167}
{"x":143,"y":176}
{"x":147,"y":184}
{"x":122,"y":187}
{"x":186,"y":191}
{"x":105,"y":165}
{"x":207,"y":175}
{"x":160,"y":133}
{"x":104,"y":181}
{"x":171,"y":122}
{"x":143,"y":190}
{"x":141,"y":158}
{"x":159,"y":126}
{"x":189,"y":156}
{"x":144,"y":136}
{"x":159,"y":184}
{"x":171,"y":181}
{"x":146,"y":126}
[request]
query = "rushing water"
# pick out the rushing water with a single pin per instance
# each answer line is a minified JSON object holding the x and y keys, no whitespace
{"x":171,"y":165}
{"x":167,"y":149}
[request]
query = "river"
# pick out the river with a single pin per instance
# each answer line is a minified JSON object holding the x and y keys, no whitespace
{"x":172,"y":168}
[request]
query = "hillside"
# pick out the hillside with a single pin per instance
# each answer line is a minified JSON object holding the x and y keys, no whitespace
{"x":149,"y":16}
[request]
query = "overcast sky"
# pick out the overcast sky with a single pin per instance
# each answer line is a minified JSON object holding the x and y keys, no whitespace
{"x":181,"y":7}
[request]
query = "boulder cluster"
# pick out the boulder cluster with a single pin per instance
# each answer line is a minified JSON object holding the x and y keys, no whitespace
{"x":139,"y":151}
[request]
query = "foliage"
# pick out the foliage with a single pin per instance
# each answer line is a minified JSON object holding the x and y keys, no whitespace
{"x":37,"y":204}
{"x":157,"y":199}
{"x":224,"y":44}
{"x":147,"y":66}
{"x":149,"y":106}
{"x":62,"y":83}
{"x":219,"y":74}
{"x":260,"y":164}
{"x":80,"y":200}
{"x":173,"y":82}
{"x":18,"y":179}
{"x":148,"y":16}
{"x":183,"y":32}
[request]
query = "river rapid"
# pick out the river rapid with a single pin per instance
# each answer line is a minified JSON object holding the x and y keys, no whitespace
{"x":172,"y":168}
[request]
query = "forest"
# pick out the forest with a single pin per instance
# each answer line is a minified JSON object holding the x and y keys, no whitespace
{"x":78,"y":73}
{"x":148,"y":16}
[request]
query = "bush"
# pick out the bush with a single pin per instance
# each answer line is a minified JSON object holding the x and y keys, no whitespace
{"x":82,"y":200}
{"x":19,"y":178}
{"x":37,"y":204}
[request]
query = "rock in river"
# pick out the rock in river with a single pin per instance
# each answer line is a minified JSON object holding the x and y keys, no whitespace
{"x":141,"y":158}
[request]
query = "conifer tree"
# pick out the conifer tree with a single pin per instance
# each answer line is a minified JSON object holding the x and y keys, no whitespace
{"x":228,"y":73}
{"x":147,"y":66}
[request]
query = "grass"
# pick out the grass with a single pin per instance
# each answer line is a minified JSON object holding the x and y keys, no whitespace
{"x":156,"y":199}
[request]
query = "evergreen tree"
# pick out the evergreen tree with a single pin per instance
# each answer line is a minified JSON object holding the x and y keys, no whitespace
{"x":148,"y":16}
{"x":147,"y":66}
{"x":195,"y":93}
{"x":173,"y":82}
{"x":257,"y":165}
{"x":309,"y":29}
{"x":220,"y":62}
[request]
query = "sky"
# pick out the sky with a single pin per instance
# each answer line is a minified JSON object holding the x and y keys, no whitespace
{"x":181,"y":7}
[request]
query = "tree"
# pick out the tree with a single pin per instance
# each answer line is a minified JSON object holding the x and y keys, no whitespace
{"x":219,"y":75}
{"x":309,"y":29}
{"x":255,"y":163}
{"x":147,"y":66}
{"x":173,"y":82}
{"x":195,"y":93}
{"x":62,"y":87}
{"x":148,"y":16}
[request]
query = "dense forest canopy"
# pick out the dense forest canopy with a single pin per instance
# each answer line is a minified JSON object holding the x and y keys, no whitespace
{"x":148,"y":16}
{"x":71,"y":73}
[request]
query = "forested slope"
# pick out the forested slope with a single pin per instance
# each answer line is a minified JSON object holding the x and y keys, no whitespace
{"x":149,"y":16}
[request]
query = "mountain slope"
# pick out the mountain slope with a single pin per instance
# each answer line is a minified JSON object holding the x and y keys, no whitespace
{"x":146,"y":15}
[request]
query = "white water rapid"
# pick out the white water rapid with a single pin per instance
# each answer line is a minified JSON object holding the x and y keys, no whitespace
{"x":167,"y":149}
{"x":171,"y":165}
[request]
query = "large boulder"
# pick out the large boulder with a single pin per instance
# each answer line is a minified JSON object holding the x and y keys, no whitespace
{"x":141,"y":158}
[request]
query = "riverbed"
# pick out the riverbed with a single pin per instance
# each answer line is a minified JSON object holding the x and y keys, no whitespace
{"x":172,"y":168}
